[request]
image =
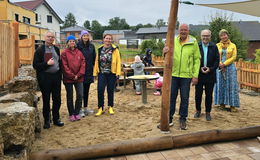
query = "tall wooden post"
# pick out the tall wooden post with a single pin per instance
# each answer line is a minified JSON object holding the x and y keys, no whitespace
{"x":16,"y":41}
{"x":167,"y":73}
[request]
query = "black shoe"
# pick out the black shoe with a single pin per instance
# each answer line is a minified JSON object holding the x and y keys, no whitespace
{"x":116,"y":90}
{"x":46,"y":125}
{"x":208,"y":117}
{"x":183,"y":125}
{"x":58,"y":123}
{"x":197,"y":114}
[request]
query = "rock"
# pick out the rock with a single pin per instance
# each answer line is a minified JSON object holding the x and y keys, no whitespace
{"x":19,"y":97}
{"x":1,"y":145}
{"x":17,"y":124}
{"x":26,"y":70}
{"x":22,"y":84}
{"x":28,"y":98}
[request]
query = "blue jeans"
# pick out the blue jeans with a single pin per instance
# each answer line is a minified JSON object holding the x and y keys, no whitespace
{"x":184,"y":85}
{"x":104,"y":80}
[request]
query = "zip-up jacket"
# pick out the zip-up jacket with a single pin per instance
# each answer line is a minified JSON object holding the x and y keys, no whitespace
{"x":186,"y":59}
{"x":73,"y":64}
{"x":116,"y":62}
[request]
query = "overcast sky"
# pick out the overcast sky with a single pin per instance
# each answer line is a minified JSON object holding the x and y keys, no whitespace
{"x":139,"y":11}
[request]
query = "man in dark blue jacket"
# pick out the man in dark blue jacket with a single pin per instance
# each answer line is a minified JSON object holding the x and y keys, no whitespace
{"x":207,"y":74}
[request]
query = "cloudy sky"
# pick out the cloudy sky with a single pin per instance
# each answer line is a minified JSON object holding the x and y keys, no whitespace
{"x":139,"y":11}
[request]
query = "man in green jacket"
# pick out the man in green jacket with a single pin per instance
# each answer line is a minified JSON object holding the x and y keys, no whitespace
{"x":185,"y":71}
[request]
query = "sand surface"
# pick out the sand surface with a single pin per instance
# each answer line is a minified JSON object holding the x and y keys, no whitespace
{"x":133,"y":120}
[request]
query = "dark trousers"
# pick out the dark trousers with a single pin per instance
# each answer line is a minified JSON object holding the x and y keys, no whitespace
{"x":50,"y":84}
{"x":79,"y":96}
{"x":182,"y":84}
{"x":86,"y":87}
{"x":106,"y":80}
{"x":208,"y":95}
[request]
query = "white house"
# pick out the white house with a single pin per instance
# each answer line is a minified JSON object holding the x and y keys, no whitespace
{"x":45,"y":16}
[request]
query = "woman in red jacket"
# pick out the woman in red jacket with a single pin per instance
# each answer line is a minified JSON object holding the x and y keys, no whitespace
{"x":73,"y":69}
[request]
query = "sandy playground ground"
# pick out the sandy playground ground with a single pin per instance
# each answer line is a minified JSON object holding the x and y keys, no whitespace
{"x":133,"y":120}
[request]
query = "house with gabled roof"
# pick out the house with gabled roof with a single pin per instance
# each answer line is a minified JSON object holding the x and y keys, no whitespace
{"x":45,"y":17}
{"x":75,"y":31}
{"x":250,"y":30}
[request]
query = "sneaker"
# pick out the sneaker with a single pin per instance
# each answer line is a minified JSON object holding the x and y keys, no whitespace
{"x":208,"y":117}
{"x":88,"y":111}
{"x":233,"y":109}
{"x":100,"y":111}
{"x":197,"y":114}
{"x":110,"y":110}
{"x":82,"y":113}
{"x":157,"y":93}
{"x":183,"y":125}
{"x":138,"y":93}
{"x":170,"y":122}
{"x":72,"y":118}
{"x":77,"y":117}
{"x":116,"y":90}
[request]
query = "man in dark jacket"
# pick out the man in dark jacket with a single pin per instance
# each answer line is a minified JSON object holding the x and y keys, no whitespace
{"x":47,"y":62}
{"x":207,"y":74}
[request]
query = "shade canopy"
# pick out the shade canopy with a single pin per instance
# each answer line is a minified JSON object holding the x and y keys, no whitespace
{"x":250,"y":7}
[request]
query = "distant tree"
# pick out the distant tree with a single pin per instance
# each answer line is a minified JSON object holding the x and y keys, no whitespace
{"x":87,"y":24}
{"x":97,"y":28}
{"x":154,"y":45}
{"x":70,"y":20}
{"x":148,"y":25}
{"x":135,"y":28}
{"x":160,"y":23}
{"x":219,"y":22}
{"x":117,"y":23}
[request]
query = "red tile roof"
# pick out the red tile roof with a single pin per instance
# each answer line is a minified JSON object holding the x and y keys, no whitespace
{"x":31,"y":5}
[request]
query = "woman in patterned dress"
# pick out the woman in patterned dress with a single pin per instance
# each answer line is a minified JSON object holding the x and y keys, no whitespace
{"x":226,"y":89}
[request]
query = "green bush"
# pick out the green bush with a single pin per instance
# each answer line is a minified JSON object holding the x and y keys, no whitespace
{"x":257,"y":56}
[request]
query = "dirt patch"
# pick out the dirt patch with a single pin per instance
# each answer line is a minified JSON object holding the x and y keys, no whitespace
{"x":133,"y":120}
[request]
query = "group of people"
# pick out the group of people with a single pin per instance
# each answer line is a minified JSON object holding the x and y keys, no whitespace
{"x":77,"y":66}
{"x":207,"y":66}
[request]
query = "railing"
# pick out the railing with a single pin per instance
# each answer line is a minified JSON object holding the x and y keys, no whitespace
{"x":248,"y":75}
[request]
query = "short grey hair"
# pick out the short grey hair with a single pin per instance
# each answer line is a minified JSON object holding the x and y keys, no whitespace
{"x":182,"y":24}
{"x":205,"y":30}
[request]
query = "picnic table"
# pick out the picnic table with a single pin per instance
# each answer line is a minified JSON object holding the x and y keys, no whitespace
{"x":143,"y":79}
{"x":146,"y":69}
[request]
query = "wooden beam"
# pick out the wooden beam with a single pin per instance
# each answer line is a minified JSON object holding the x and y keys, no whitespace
{"x":167,"y":73}
{"x":147,"y":144}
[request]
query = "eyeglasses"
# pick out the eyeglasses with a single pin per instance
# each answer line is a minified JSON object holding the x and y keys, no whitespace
{"x":205,"y":35}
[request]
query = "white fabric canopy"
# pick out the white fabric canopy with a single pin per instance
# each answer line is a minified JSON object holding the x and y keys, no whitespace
{"x":250,"y":7}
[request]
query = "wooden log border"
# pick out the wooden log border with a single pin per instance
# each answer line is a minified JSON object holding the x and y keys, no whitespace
{"x":147,"y":144}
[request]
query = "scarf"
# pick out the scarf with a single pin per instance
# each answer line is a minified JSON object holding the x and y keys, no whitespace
{"x":224,"y":44}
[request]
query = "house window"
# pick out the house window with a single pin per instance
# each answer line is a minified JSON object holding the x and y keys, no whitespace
{"x":26,"y":20}
{"x":49,"y":19}
{"x":36,"y":17}
{"x":17,"y":17}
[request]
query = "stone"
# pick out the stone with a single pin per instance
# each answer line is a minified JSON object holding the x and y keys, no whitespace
{"x":30,"y":99}
{"x":17,"y":125}
{"x":22,"y":84}
{"x":1,"y":145}
{"x":27,"y":70}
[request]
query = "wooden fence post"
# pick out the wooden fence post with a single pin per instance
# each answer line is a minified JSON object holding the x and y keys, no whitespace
{"x":167,"y":73}
{"x":16,"y":41}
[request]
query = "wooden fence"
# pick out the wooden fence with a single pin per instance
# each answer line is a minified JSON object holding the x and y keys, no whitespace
{"x":9,"y":53}
{"x":26,"y":50}
{"x":248,"y":75}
